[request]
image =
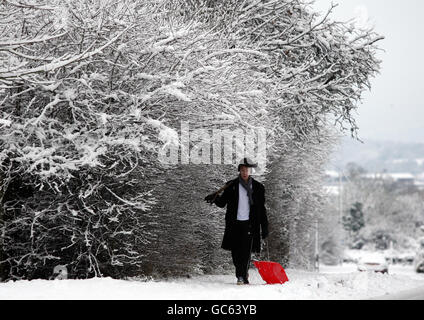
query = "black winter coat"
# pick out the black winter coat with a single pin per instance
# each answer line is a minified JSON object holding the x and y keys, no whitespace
{"x":258,"y":218}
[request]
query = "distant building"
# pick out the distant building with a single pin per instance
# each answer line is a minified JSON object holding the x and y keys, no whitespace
{"x":404,"y":178}
{"x":334,"y":176}
{"x":419,"y":181}
{"x":334,"y":180}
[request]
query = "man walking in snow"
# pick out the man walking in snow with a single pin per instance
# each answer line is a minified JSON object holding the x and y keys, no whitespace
{"x":245,"y":220}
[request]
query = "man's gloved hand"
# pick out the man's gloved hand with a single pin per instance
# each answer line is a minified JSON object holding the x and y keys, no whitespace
{"x":210,"y":198}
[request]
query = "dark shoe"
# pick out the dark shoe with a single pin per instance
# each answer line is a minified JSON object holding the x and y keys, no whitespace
{"x":245,"y":281}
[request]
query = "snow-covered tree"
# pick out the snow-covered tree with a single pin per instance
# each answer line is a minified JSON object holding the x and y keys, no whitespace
{"x":74,"y":139}
{"x":392,"y":211}
{"x":92,"y":90}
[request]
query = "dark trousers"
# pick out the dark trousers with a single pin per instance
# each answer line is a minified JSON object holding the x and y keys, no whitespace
{"x":242,"y":248}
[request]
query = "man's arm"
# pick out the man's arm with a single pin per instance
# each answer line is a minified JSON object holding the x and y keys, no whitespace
{"x":221,"y":201}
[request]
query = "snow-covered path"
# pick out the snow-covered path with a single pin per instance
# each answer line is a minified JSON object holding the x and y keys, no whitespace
{"x":411,"y":294}
{"x":336,"y":283}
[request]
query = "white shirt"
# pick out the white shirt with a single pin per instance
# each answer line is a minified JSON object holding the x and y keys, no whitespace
{"x":243,"y":204}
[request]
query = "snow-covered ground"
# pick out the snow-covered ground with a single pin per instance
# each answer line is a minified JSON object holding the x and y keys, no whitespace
{"x":335,"y":283}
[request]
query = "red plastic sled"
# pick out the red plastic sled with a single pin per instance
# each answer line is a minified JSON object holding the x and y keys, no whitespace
{"x":271,"y":272}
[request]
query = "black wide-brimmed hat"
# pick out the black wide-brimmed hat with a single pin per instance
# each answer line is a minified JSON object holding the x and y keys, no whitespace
{"x":246,"y":162}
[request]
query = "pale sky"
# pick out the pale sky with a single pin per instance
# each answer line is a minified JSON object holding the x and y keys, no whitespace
{"x":394,"y":108}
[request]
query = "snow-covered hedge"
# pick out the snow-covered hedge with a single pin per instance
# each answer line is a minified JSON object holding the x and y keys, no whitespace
{"x":88,"y":90}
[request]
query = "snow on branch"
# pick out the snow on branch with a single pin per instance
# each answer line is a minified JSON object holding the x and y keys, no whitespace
{"x":92,"y":92}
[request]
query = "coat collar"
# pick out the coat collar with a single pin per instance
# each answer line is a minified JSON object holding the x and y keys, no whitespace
{"x":254,"y":183}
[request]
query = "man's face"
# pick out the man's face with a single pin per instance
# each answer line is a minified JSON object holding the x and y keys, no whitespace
{"x":244,"y":172}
